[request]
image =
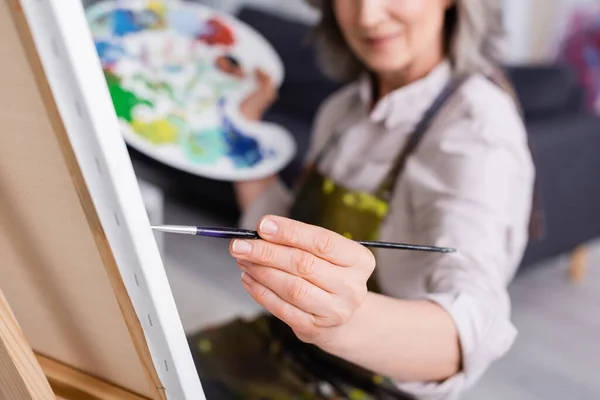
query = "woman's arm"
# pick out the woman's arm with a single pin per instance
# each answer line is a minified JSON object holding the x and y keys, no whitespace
{"x":253,"y":108}
{"x":315,"y":281}
{"x":475,"y":196}
{"x":472,"y":191}
{"x":410,"y":341}
{"x":248,"y":191}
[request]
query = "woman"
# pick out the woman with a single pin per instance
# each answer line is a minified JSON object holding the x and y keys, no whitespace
{"x":421,"y":147}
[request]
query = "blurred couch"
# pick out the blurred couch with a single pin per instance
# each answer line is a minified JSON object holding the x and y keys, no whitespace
{"x":565,"y":139}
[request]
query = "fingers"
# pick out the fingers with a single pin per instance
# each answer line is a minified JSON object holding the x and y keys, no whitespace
{"x":321,"y":273}
{"x":292,"y":299}
{"x":309,"y":277}
{"x":315,"y":240}
{"x":288,"y":313}
{"x":295,"y":290}
{"x":254,"y":105}
{"x":264,"y":79}
{"x":266,"y":85}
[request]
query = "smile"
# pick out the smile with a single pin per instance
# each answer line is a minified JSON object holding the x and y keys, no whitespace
{"x":382,"y":40}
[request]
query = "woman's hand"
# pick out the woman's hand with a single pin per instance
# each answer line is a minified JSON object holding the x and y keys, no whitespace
{"x":310,"y":278}
{"x":258,"y":102}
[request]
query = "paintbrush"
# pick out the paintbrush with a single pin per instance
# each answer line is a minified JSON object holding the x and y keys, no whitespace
{"x":236,"y":233}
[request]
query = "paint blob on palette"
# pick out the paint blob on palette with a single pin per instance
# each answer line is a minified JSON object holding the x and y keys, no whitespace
{"x":177,"y":73}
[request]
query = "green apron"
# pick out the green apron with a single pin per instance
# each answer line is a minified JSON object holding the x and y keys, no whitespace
{"x":262,"y":358}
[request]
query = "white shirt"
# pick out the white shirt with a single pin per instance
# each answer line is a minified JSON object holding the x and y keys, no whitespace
{"x":468,"y":185}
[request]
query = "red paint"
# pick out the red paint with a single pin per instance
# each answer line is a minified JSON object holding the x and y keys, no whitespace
{"x":220,"y":34}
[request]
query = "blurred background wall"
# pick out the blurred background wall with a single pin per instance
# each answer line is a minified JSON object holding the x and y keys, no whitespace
{"x":533,"y":26}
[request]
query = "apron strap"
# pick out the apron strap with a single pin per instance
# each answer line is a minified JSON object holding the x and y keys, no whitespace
{"x":331,"y":142}
{"x":386,"y":189}
{"x":447,"y":92}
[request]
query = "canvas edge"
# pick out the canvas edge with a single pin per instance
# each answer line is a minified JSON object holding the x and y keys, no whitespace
{"x":66,"y":50}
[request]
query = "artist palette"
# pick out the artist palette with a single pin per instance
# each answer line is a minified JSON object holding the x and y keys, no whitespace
{"x":177,"y":72}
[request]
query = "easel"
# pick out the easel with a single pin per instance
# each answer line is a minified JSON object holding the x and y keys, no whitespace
{"x":25,"y":376}
{"x":86,"y":311}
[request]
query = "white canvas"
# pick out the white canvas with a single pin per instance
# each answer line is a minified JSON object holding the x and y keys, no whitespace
{"x":72,"y":68}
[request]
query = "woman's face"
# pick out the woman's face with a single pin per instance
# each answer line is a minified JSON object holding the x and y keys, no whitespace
{"x":390,"y":35}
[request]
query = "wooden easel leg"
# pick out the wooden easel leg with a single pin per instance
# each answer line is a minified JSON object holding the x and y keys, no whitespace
{"x":71,"y":384}
{"x":21,"y":377}
{"x":578,"y":264}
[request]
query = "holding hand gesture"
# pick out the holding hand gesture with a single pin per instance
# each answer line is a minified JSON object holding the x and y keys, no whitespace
{"x":310,"y":278}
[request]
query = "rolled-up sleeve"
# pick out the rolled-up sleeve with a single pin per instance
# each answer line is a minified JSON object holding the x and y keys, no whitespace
{"x":471,"y":189}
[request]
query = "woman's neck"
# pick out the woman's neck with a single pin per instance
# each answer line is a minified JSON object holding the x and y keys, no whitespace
{"x":388,"y":82}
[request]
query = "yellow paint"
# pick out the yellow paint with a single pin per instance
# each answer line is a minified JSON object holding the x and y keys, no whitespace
{"x":357,"y":394}
{"x":205,"y":346}
{"x":349,"y":199}
{"x":160,"y":10}
{"x":361,"y":201}
{"x":366,"y":202}
{"x":157,"y":132}
{"x":156,"y":6}
{"x":328,"y":186}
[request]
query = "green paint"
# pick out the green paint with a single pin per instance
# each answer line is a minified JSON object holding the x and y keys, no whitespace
{"x":202,"y":68}
{"x":180,"y":124}
{"x":165,"y":87}
{"x":221,"y":87}
{"x":206,"y":147}
{"x":124,"y":101}
{"x":159,"y":88}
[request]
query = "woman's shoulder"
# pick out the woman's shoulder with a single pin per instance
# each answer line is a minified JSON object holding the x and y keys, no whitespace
{"x":479,"y":90}
{"x":337,"y":104}
{"x":482,"y":121}
{"x":488,"y":109}
{"x":331,"y":113}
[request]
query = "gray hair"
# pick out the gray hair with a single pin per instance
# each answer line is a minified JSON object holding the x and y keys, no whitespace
{"x":473,"y":36}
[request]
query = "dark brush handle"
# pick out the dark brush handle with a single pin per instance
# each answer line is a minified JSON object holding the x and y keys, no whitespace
{"x":403,"y":246}
{"x":227,"y":233}
{"x":236,"y":233}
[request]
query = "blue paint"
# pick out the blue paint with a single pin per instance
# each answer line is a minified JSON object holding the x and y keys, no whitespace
{"x":108,"y":52}
{"x":242,"y":149}
{"x":173,"y":68}
{"x":124,"y":22}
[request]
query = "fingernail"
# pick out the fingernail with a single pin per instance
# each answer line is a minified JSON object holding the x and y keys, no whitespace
{"x":246,"y":278}
{"x":241,"y":247}
{"x":269,"y":227}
